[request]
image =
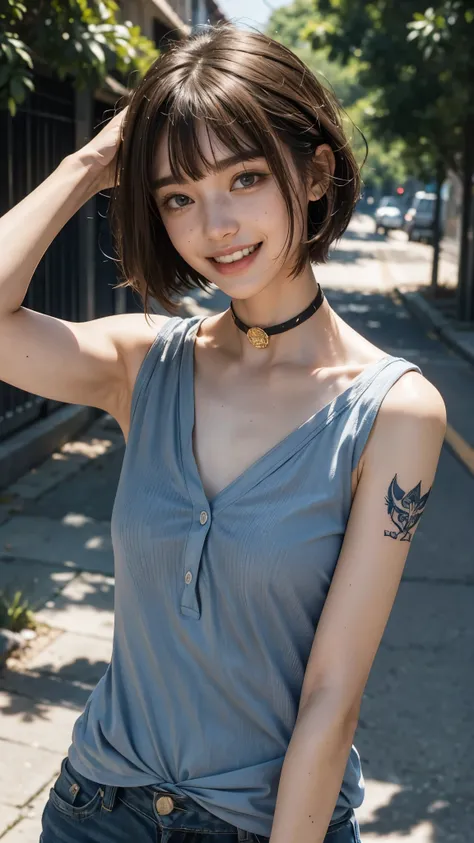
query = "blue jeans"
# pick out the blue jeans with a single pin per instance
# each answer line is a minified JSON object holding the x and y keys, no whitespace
{"x":83,"y":811}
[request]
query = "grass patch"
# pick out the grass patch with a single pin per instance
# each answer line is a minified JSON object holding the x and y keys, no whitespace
{"x":15,"y":612}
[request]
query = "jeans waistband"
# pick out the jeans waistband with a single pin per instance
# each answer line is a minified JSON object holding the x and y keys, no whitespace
{"x":185,"y":814}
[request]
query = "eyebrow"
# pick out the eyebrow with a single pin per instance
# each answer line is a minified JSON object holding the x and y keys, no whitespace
{"x":249,"y":155}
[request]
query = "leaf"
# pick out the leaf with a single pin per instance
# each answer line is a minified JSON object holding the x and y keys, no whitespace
{"x":26,"y":58}
{"x":5,"y":73}
{"x":121,"y":31}
{"x":12,"y":106}
{"x":97,"y":51}
{"x":8,"y":52}
{"x":16,"y":43}
{"x":16,"y":89}
{"x":102,"y":10}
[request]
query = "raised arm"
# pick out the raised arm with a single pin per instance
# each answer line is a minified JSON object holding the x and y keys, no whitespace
{"x":75,"y":362}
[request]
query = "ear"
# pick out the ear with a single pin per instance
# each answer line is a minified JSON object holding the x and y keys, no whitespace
{"x":324,"y":165}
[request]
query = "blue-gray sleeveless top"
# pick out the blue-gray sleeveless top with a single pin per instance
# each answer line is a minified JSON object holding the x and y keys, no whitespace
{"x":217,"y":602}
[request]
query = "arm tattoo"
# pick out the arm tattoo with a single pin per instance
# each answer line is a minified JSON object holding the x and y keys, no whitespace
{"x":405,"y":509}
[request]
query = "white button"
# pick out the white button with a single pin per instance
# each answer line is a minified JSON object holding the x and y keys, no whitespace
{"x":188,"y":577}
{"x":203,"y":517}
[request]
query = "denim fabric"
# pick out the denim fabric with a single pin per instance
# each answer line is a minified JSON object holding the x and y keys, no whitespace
{"x":80,"y":810}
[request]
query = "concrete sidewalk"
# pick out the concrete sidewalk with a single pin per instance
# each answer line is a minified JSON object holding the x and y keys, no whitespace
{"x":55,"y":544}
{"x":407,"y":269}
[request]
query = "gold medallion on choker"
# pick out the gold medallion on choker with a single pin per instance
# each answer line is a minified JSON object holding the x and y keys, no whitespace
{"x":258,"y":337}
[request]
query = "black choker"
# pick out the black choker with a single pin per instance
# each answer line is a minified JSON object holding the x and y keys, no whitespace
{"x":260,"y":337}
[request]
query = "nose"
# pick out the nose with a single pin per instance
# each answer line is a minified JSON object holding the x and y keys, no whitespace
{"x":219,"y":220}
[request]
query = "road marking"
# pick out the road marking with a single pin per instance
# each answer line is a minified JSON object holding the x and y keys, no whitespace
{"x":460,"y":447}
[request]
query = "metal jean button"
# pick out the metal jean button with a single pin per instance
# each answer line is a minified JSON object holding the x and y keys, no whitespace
{"x":164,"y":804}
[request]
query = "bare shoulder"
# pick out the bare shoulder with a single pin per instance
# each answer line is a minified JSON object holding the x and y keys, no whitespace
{"x":413,"y":411}
{"x":413,"y":397}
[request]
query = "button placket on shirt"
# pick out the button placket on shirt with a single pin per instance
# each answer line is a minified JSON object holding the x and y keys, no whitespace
{"x":195,"y":544}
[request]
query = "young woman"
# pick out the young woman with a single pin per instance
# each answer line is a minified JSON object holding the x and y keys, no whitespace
{"x":276,"y":466}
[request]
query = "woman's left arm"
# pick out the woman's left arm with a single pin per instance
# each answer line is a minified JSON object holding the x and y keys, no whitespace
{"x":397,"y":469}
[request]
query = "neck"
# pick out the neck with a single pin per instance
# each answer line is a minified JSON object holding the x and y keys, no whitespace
{"x":267,"y":308}
{"x":315,"y":342}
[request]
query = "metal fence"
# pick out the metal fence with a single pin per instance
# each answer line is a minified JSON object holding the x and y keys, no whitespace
{"x":32,"y":144}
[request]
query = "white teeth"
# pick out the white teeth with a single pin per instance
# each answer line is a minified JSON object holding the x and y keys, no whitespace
{"x":236,"y":256}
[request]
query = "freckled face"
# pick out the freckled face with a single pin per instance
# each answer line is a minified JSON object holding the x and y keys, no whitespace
{"x":238,"y":207}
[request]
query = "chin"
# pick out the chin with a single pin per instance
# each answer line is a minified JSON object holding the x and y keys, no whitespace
{"x":241,"y":289}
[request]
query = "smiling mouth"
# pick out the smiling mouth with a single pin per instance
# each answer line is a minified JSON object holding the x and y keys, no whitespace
{"x":236,"y":256}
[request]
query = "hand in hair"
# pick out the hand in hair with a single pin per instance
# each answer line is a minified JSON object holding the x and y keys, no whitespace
{"x":102,"y":151}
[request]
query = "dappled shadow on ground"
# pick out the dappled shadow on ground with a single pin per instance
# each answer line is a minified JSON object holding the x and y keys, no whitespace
{"x":68,"y":685}
{"x":382,"y":322}
{"x":399,"y":252}
{"x":366,"y":236}
{"x":92,"y":494}
{"x":351,"y":256}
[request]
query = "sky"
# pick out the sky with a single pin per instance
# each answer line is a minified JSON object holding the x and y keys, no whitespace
{"x":252,"y":12}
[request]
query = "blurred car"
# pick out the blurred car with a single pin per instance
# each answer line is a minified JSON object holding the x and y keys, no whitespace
{"x":419,"y":219}
{"x":388,"y":214}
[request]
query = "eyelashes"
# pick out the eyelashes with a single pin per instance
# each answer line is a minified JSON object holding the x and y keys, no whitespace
{"x":247,"y":174}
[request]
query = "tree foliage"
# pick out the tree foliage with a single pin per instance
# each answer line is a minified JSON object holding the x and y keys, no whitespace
{"x":416,"y":65}
{"x":81,"y":38}
{"x":294,"y":26}
{"x":416,"y":61}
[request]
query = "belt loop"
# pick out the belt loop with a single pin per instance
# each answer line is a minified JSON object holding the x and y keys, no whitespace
{"x":243,"y":835}
{"x":109,"y":794}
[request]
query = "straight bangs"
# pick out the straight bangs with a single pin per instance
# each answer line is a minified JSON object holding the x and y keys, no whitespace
{"x":251,"y":94}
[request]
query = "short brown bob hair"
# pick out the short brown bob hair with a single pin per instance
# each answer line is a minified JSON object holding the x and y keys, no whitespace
{"x":250,"y":92}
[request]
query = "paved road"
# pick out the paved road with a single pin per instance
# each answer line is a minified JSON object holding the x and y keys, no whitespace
{"x":415,"y":734}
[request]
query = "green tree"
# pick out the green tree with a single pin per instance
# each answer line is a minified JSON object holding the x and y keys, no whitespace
{"x":291,"y":25}
{"x":288,"y":23}
{"x":418,"y":63}
{"x":444,"y":36}
{"x":408,"y":97}
{"x":81,"y":38}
